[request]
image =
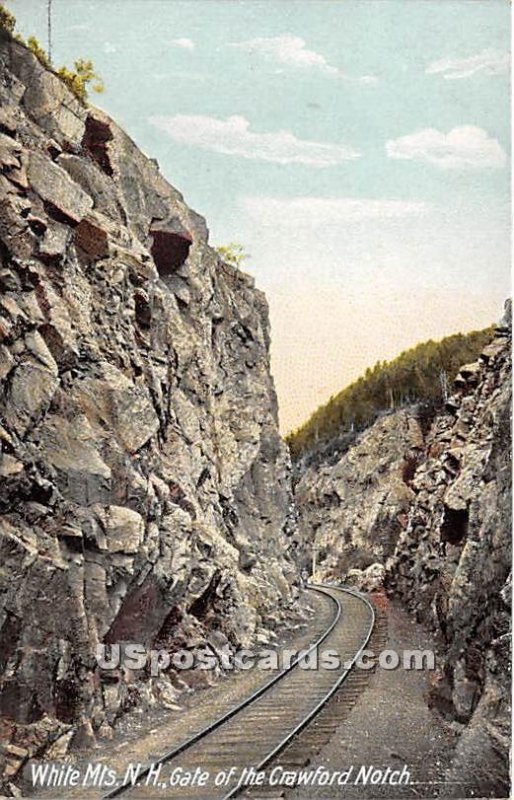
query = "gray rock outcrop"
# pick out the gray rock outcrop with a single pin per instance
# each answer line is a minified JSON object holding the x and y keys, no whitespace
{"x":145,"y":490}
{"x":352,"y":512}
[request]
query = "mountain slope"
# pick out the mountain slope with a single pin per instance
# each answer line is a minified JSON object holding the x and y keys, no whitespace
{"x":421,"y":374}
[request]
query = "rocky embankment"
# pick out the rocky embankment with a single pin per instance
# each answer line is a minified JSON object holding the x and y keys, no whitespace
{"x":424,"y":506}
{"x":451,"y":566}
{"x":145,"y":490}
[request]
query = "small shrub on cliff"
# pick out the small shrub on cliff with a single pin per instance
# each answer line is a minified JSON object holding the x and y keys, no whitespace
{"x":232,"y":254}
{"x":35,"y":47}
{"x":77,"y":81}
{"x":7,"y":20}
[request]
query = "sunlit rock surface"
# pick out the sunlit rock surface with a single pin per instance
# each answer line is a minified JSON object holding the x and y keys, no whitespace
{"x":352,"y":509}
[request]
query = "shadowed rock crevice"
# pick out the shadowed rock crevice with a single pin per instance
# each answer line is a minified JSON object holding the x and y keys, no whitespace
{"x":170,"y":245}
{"x":97,"y":134}
{"x":454,"y":525}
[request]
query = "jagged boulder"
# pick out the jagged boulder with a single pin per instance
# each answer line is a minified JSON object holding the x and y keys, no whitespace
{"x":370,"y":579}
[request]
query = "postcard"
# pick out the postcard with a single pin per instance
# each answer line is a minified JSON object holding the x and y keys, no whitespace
{"x":255,"y":399}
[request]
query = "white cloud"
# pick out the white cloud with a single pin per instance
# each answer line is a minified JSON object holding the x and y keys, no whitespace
{"x":489,"y":62}
{"x":290,"y":50}
{"x":369,"y":80}
{"x":464,"y":147}
{"x":185,"y":43}
{"x":232,"y":136}
{"x":318,"y":212}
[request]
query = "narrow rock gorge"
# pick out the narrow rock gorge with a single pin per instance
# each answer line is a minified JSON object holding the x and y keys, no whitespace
{"x":420,"y":505}
{"x":146,"y":495}
{"x":145,"y":490}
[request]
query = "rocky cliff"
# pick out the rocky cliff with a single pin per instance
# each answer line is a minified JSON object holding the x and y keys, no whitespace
{"x":451,"y":566}
{"x":144,"y":487}
{"x":430,"y":501}
{"x":352,"y":509}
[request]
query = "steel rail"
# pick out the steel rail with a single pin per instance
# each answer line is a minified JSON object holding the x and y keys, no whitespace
{"x":310,"y":716}
{"x":179,"y":749}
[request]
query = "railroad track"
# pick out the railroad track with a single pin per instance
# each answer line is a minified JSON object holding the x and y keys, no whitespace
{"x":256,"y":731}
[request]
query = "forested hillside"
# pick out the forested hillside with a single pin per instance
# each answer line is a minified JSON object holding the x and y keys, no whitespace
{"x":422,"y":374}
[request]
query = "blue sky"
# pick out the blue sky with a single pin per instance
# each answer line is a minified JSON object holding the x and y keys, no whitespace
{"x":358,"y":150}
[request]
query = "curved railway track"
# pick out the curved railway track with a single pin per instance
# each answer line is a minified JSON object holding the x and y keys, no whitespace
{"x":257,"y":730}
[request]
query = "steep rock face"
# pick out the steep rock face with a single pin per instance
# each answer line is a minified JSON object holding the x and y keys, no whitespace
{"x":430,"y":501}
{"x":351,"y":512}
{"x":451,"y":565}
{"x":144,"y":486}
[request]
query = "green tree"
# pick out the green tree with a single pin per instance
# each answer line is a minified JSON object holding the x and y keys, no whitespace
{"x":35,"y":47}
